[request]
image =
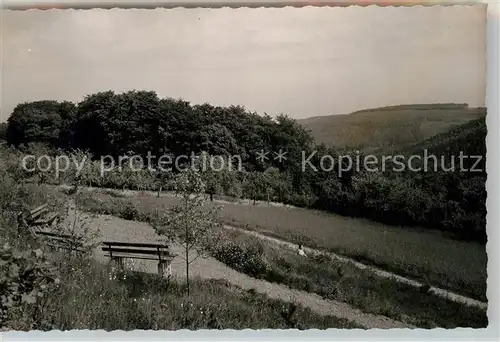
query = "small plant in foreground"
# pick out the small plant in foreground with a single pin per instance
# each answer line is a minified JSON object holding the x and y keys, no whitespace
{"x":24,"y":277}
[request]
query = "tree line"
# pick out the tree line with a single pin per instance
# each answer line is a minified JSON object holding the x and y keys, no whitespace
{"x":138,"y":122}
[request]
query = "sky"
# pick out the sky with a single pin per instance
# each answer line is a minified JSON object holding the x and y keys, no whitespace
{"x":302,"y":62}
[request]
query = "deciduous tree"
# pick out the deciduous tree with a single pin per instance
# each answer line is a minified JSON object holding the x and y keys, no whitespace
{"x":190,"y":223}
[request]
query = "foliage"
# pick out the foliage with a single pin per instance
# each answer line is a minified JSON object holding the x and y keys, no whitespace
{"x":26,"y":272}
{"x":3,"y":131}
{"x":80,"y":294}
{"x":41,"y":121}
{"x":242,"y":257}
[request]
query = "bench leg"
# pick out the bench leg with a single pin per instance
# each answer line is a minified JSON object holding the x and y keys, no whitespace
{"x":164,"y":269}
{"x":117,"y":264}
{"x":169,"y":270}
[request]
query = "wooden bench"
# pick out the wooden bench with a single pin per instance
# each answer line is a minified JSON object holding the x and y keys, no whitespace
{"x":63,"y":241}
{"x":37,"y":218}
{"x":118,"y":251}
{"x":40,"y":216}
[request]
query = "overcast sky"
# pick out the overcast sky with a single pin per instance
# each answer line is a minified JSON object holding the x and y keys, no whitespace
{"x":299,"y":61}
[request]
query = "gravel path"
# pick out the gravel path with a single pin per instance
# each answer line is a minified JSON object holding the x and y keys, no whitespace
{"x":116,"y":229}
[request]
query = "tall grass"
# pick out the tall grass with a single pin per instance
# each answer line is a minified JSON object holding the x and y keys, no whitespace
{"x":89,"y":297}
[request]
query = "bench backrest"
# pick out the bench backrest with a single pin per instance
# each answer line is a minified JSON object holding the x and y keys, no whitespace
{"x":62,"y":240}
{"x":37,"y":212}
{"x":41,"y":216}
{"x":129,"y":250}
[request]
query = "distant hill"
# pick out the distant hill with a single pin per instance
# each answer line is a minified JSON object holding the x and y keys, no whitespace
{"x":470,"y":138}
{"x":389,"y":128}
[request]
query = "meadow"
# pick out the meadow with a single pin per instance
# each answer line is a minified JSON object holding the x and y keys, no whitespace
{"x":420,"y":254}
{"x":415,"y":253}
{"x":361,"y":288}
{"x":83,"y":294}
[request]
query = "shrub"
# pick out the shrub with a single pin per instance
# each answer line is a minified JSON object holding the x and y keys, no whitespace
{"x":130,"y":212}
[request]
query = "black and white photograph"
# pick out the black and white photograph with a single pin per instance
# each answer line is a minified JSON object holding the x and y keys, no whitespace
{"x":243,"y":168}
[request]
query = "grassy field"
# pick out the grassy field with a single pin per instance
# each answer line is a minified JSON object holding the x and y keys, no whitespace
{"x":321,"y":275}
{"x":361,"y":288}
{"x":420,"y":254}
{"x":388,"y":128}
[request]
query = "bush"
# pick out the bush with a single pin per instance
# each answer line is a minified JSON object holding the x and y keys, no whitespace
{"x":247,"y":258}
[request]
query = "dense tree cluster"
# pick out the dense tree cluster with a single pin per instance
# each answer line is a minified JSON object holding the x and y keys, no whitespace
{"x":140,"y":122}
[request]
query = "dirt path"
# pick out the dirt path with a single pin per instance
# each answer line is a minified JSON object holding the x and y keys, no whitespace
{"x":116,"y":229}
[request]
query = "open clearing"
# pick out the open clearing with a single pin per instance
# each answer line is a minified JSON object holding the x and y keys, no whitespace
{"x":112,"y":228}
